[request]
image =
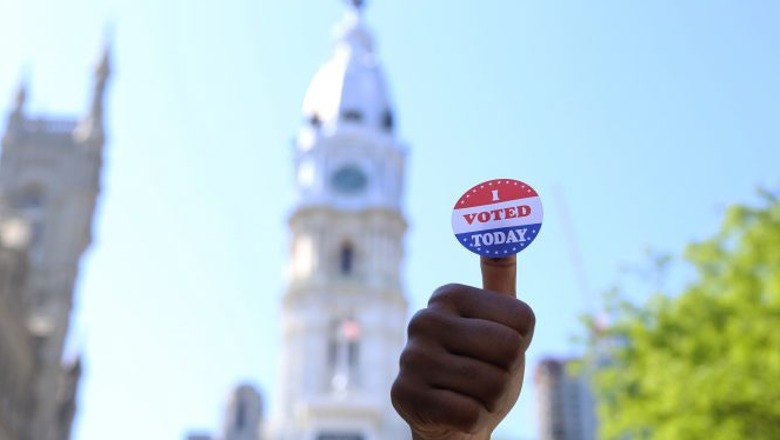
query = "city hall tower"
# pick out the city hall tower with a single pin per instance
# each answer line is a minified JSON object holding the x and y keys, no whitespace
{"x":344,"y":310}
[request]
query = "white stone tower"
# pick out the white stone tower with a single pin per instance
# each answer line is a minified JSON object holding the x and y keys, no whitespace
{"x":344,"y":311}
{"x":50,"y":177}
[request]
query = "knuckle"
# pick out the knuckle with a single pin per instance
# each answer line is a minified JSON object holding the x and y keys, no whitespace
{"x":405,"y":396}
{"x":415,"y":359}
{"x":524,"y":317}
{"x":401,"y":391}
{"x":530,"y":316}
{"x":509,"y":345}
{"x":423,"y":323}
{"x":494,"y":385}
{"x":430,"y":324}
{"x":447,"y":293}
{"x":417,"y":323}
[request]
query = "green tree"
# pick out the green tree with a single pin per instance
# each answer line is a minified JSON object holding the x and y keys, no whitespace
{"x":705,"y":363}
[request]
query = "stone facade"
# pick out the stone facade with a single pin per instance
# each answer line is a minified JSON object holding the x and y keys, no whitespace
{"x":17,"y":355}
{"x":49,"y":183}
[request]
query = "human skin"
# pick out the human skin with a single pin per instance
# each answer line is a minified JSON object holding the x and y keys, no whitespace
{"x":462,"y":369}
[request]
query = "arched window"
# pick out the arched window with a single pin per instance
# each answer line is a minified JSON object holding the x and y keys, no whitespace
{"x":333,"y":342}
{"x":346,"y":259}
{"x":241,"y":414}
{"x":387,"y":120}
{"x":31,"y":197}
{"x":30,"y":202}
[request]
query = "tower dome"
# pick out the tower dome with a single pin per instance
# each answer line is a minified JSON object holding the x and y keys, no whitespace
{"x":349,"y":89}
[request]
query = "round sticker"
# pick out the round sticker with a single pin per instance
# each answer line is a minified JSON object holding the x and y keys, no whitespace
{"x":497,"y":218}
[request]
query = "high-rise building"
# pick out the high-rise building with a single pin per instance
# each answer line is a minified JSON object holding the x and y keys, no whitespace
{"x":344,"y":310}
{"x":565,"y":401}
{"x":49,"y":183}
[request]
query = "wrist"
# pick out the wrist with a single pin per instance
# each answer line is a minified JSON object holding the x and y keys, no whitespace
{"x":447,"y":435}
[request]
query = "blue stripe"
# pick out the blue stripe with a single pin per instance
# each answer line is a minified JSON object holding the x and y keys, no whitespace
{"x":501,"y":241}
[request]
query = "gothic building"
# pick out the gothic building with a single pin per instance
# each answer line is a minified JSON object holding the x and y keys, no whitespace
{"x":49,"y":183}
{"x":344,"y":310}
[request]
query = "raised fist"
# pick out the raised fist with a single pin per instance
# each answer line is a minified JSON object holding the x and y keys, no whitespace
{"x":462,"y":368}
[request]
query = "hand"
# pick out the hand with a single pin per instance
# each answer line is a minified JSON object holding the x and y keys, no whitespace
{"x":462,"y":368}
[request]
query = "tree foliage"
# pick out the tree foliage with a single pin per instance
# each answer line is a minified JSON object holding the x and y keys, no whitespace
{"x":705,"y":363}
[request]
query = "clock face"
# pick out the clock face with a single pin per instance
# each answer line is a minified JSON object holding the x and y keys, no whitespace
{"x":349,"y":179}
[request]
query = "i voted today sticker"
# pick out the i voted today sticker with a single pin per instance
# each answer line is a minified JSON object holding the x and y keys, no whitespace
{"x":497,"y":218}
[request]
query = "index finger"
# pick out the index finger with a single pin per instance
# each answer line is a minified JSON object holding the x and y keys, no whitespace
{"x":499,"y":274}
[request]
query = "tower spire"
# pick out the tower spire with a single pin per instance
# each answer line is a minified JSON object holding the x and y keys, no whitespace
{"x":21,"y":96}
{"x":16,"y":117}
{"x":102,"y":72}
{"x":91,"y":128}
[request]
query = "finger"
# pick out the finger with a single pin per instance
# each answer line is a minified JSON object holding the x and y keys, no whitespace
{"x":438,"y":410}
{"x":499,"y":274}
{"x":472,"y":302}
{"x":464,"y":375}
{"x":471,"y":378}
{"x":488,"y":341}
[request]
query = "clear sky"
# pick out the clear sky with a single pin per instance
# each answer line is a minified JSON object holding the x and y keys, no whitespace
{"x":637,"y":122}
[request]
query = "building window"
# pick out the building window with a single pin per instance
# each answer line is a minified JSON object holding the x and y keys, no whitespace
{"x":387,"y":120}
{"x":352,"y":115}
{"x":241,"y":415}
{"x":347,"y":259}
{"x":30,"y":203}
{"x":31,"y":198}
{"x":333,"y":343}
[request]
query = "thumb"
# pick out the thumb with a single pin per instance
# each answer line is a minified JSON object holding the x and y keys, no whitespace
{"x":499,"y":274}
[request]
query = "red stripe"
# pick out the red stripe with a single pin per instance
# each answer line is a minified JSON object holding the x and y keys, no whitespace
{"x":482,"y":194}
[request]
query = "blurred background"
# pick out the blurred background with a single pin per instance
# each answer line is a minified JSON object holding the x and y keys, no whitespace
{"x":637,"y":123}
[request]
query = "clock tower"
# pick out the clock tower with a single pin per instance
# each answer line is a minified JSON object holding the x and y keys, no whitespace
{"x":344,"y":311}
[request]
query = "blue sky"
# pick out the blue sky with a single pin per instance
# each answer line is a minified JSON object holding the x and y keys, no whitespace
{"x":637,"y":123}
